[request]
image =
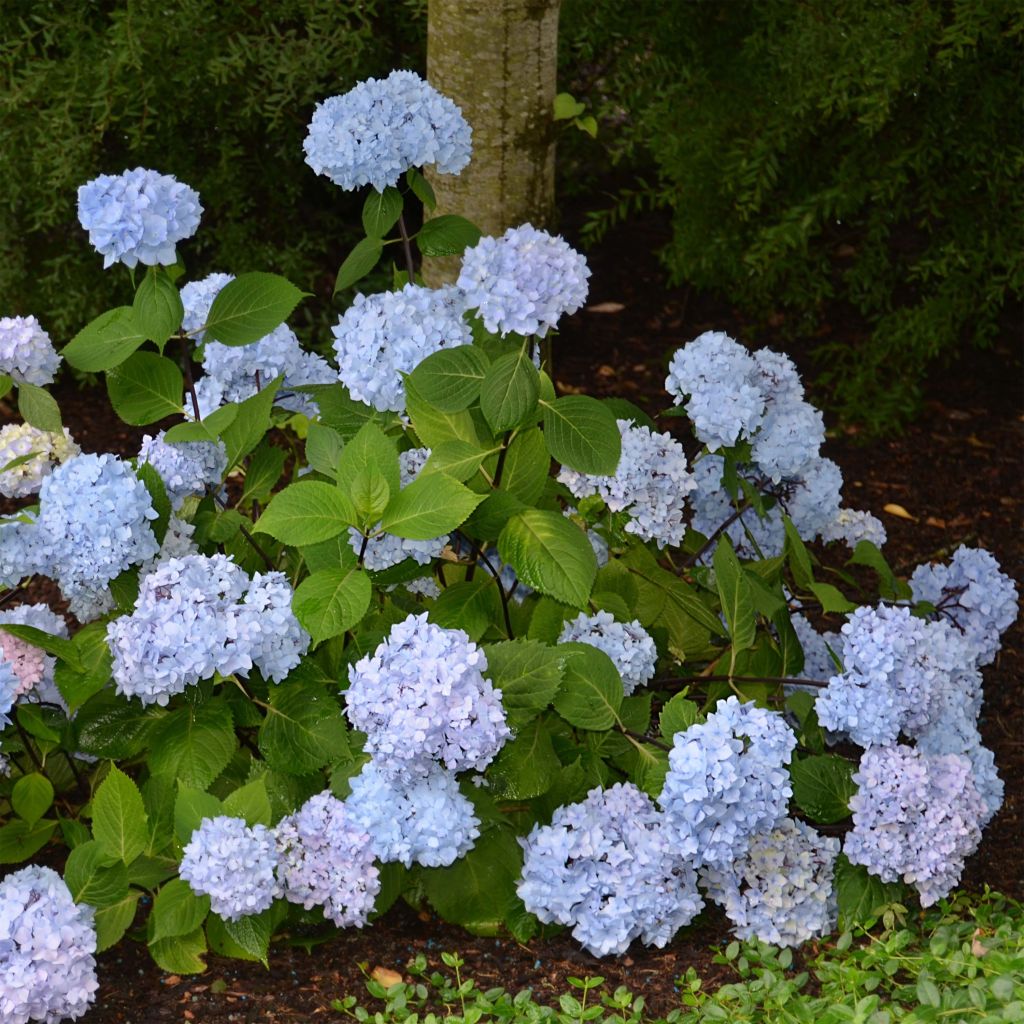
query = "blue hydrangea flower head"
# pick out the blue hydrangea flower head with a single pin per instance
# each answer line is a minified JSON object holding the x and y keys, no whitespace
{"x":41,"y":449}
{"x":421,"y":698}
{"x":325,"y":860}
{"x":232,"y":863}
{"x":138,"y":216}
{"x":422,"y":819}
{"x":727,"y":780}
{"x":267,"y":627}
{"x":47,"y":947}
{"x":790,"y":437}
{"x":854,"y":525}
{"x":628,"y":644}
{"x":376,"y":131}
{"x":606,"y":867}
{"x":10,"y":690}
{"x":818,"y":662}
{"x":780,"y":890}
{"x":26,"y":353}
{"x":20,"y":552}
{"x":523,"y":282}
{"x":186,"y":468}
{"x":197,"y":298}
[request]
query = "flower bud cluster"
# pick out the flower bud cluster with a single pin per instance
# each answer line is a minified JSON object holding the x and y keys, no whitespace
{"x":26,"y":353}
{"x":186,"y":468}
{"x":628,"y":644}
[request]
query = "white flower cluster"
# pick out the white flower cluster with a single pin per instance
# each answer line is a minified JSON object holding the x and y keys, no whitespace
{"x":650,"y":484}
{"x":27,"y":355}
{"x":628,"y":644}
{"x":380,"y":337}
{"x":138,"y":216}
{"x":31,"y":665}
{"x":186,"y":468}
{"x":47,"y":947}
{"x":523,"y":282}
{"x":41,"y":450}
{"x":374,"y":133}
{"x":607,"y":868}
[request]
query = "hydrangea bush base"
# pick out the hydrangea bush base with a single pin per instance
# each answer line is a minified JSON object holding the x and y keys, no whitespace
{"x":416,"y":627}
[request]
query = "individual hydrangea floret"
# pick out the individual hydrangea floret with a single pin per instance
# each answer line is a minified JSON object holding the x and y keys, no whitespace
{"x":916,"y":817}
{"x":233,"y":864}
{"x":651,"y":484}
{"x":325,"y":860}
{"x":267,"y":626}
{"x":43,"y":450}
{"x":186,"y":468}
{"x":380,"y":337}
{"x":628,"y":644}
{"x":780,"y":890}
{"x":47,"y":947}
{"x":854,"y":525}
{"x":26,"y":353}
{"x":422,"y":698}
{"x":727,"y":781}
{"x":523,"y":282}
{"x":378,"y":130}
{"x":138,"y":216}
{"x":974,"y":594}
{"x":607,"y":868}
{"x":32,"y":665}
{"x":423,"y":820}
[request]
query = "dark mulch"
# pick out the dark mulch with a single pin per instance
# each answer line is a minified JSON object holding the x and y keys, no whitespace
{"x":956,"y":472}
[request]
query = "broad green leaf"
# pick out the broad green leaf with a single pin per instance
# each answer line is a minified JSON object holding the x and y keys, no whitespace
{"x":491,"y":515}
{"x":431,"y":506}
{"x":145,"y":388}
{"x":677,"y":716}
{"x":421,"y":188}
{"x":358,"y":263}
{"x":447,"y":235}
{"x":32,"y":797}
{"x":457,"y":459}
{"x":263,"y":472}
{"x":158,"y":495}
{"x":582,"y":434}
{"x":450,"y":379}
{"x":798,"y":556}
{"x":567,"y":107}
{"x":119,"y":817}
{"x":248,"y":427}
{"x":94,"y":877}
{"x":250,"y":802}
{"x":105,"y":342}
{"x":191,"y":806}
{"x":335,"y":553}
{"x":527,"y":765}
{"x":323,"y":449}
{"x":112,"y":922}
{"x":509,"y":392}
{"x":339,"y":410}
{"x":193,"y":744}
{"x":208,"y":429}
{"x":369,"y":449}
{"x":180,"y":954}
{"x":177,"y":910}
{"x":470,"y":605}
{"x":591,"y":692}
{"x":822,"y":786}
{"x":45,"y":641}
{"x":866,"y":553}
{"x":157,"y":309}
{"x":331,"y":601}
{"x":252,"y":934}
{"x":434,"y":427}
{"x":862,"y":896}
{"x":158,"y":794}
{"x":832,"y":599}
{"x":19,"y":840}
{"x":250,"y":307}
{"x":306,"y":513}
{"x":527,"y":465}
{"x":38,"y":408}
{"x":669,"y":588}
{"x":528,"y":673}
{"x":110,"y":727}
{"x":735,"y":593}
{"x":381,"y":211}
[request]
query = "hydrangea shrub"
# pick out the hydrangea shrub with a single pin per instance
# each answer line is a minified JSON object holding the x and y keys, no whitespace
{"x":414,"y":626}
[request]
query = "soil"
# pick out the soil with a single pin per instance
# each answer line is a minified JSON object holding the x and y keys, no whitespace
{"x":956,"y":475}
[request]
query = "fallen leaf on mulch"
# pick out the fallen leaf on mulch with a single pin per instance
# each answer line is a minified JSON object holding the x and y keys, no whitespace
{"x":606,"y":307}
{"x":898,"y":510}
{"x":386,"y":977}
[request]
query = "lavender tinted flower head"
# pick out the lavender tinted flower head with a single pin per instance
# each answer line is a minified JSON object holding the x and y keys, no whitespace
{"x":523,"y":282}
{"x":727,"y":780}
{"x":26,"y":353}
{"x":374,"y":133}
{"x":607,"y":868}
{"x":32,"y":665}
{"x":47,"y":947}
{"x":916,"y":817}
{"x":628,"y":644}
{"x":138,"y":216}
{"x":650,"y":484}
{"x":423,"y":819}
{"x":325,"y":859}
{"x":780,"y":890}
{"x":41,"y":449}
{"x":233,"y":864}
{"x":185,"y":468}
{"x":422,"y":698}
{"x":380,"y":337}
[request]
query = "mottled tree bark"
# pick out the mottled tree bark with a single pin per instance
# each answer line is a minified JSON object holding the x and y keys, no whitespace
{"x":497,"y":60}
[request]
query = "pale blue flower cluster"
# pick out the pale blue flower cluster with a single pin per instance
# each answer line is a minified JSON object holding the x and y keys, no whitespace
{"x":852,"y":525}
{"x":651,"y":484}
{"x":422,"y":819}
{"x":234,"y":864}
{"x":325,"y":859}
{"x":916,"y":817}
{"x":607,"y":868}
{"x":19,"y":555}
{"x":780,"y":890}
{"x":177,"y":543}
{"x":138,"y":216}
{"x":974,"y":594}
{"x":41,"y":450}
{"x":197,"y":298}
{"x":187,"y":468}
{"x":375,"y":132}
{"x":10,"y":688}
{"x":199,"y":615}
{"x":47,"y":947}
{"x":628,"y":644}
{"x":818,"y":662}
{"x":523,"y":282}
{"x":383,"y":336}
{"x":27,"y":355}
{"x":727,"y":781}
{"x":421,"y":698}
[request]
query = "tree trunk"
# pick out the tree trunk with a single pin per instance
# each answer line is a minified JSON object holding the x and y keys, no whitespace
{"x":497,"y":60}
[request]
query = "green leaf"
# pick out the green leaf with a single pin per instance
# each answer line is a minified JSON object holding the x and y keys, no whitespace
{"x":95,"y":878}
{"x":331,"y":601}
{"x":677,"y":716}
{"x":447,"y":235}
{"x":831,"y":598}
{"x":527,"y":766}
{"x":421,"y":188}
{"x":19,"y":840}
{"x":180,"y":954}
{"x":798,"y":556}
{"x":247,"y":428}
{"x":250,"y":802}
{"x":204,"y":430}
{"x":45,"y":641}
{"x":549,"y":554}
{"x":582,"y":434}
{"x":193,"y":744}
{"x":158,"y":495}
{"x":157,"y":308}
{"x":591,"y":694}
{"x":381,"y":211}
{"x":528,"y":673}
{"x":31,"y":797}
{"x":39,"y":408}
{"x":145,"y":388}
{"x":105,"y":342}
{"x":119,"y":817}
{"x":822,"y":786}
{"x":370,"y":449}
{"x":450,"y":379}
{"x":527,"y":464}
{"x":737,"y":599}
{"x":158,"y":797}
{"x":112,"y":922}
{"x":457,"y":459}
{"x":434,"y":427}
{"x":110,"y":727}
{"x":862,"y":896}
{"x":431,"y":506}
{"x":80,"y":678}
{"x":177,"y":910}
{"x":867,"y":553}
{"x":250,"y":307}
{"x":567,"y":107}
{"x":252,"y":933}
{"x":509,"y":392}
{"x":191,"y":806}
{"x":323,"y":449}
{"x":306,"y":513}
{"x":471,"y":605}
{"x":263,"y":472}
{"x":358,"y":263}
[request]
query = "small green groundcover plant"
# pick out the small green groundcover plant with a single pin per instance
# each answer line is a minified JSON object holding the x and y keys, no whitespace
{"x":413,"y":626}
